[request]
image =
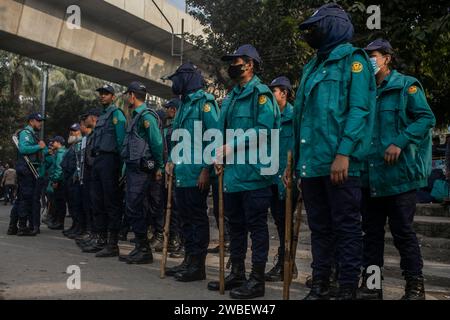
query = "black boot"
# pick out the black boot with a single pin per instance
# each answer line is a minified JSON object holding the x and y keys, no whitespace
{"x":25,"y":232}
{"x":346,"y":293}
{"x":98,"y":245}
{"x":36,"y":231}
{"x":415,"y":288}
{"x":254,"y":287}
{"x":124,"y":258}
{"x":82,"y":243}
{"x":364,"y":293}
{"x":83,"y":236}
{"x":276,"y":273}
{"x":72,"y":233}
{"x":56,"y":226}
{"x":195,"y":271}
{"x":235,"y":279}
{"x":79,"y":233}
{"x":136,"y":250}
{"x":170,"y":272}
{"x":142,"y":253}
{"x":334,"y":283}
{"x":111,"y":249}
{"x":12,"y":230}
{"x":320,"y":290}
{"x":72,"y":228}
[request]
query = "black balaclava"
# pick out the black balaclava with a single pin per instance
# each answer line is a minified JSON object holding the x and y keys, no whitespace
{"x":185,"y":83}
{"x":329,"y":32}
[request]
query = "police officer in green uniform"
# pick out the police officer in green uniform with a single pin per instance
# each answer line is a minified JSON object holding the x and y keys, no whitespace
{"x":399,"y":164}
{"x":56,"y":183}
{"x":333,"y":122}
{"x":282,"y":90}
{"x":31,"y":146}
{"x":142,"y":153}
{"x":250,"y":106}
{"x":192,"y":177}
{"x":107,"y":142}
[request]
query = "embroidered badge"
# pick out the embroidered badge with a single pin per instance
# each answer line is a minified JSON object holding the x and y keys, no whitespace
{"x":206,"y":108}
{"x":412,"y":90}
{"x":357,"y":67}
{"x":146,"y":124}
{"x":262,"y":100}
{"x":115,"y":121}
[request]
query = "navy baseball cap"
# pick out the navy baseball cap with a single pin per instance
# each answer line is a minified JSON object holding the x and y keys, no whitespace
{"x":136,"y":87}
{"x":36,"y":116}
{"x":187,"y":67}
{"x":246,"y":50}
{"x":75,"y":127}
{"x":91,"y":112}
{"x":380,"y":44}
{"x":281,"y":82}
{"x":107,"y":88}
{"x":59,"y":139}
{"x":327,"y":10}
{"x":173,"y":103}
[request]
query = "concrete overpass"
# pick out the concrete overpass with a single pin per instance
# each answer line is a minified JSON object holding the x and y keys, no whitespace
{"x":119,"y":40}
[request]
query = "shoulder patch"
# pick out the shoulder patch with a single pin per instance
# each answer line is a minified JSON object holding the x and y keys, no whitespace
{"x":146,"y":124}
{"x":412,"y":90}
{"x":115,"y":120}
{"x":207,"y":108}
{"x":357,"y":67}
{"x":262,"y":100}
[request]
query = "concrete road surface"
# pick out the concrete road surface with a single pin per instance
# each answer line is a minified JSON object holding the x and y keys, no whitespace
{"x":36,"y":268}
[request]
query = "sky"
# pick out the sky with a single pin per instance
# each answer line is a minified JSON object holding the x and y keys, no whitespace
{"x":179,"y":3}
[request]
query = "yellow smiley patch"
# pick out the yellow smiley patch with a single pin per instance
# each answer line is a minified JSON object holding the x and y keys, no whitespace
{"x":357,"y":67}
{"x":262,"y":100}
{"x":206,"y":108}
{"x":146,"y":124}
{"x":115,"y":121}
{"x":412,"y":90}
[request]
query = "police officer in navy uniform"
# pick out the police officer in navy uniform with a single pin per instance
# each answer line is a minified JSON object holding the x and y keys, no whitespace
{"x":399,"y":164}
{"x":250,"y":105}
{"x":106,"y":198}
{"x":27,"y":198}
{"x":334,"y":115}
{"x":191,"y":177}
{"x":143,"y":156}
{"x":71,"y":165}
{"x":85,"y":216}
{"x":89,"y":119}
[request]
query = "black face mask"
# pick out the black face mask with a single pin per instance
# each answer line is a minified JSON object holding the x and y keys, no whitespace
{"x":235,"y":72}
{"x":314,"y":37}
